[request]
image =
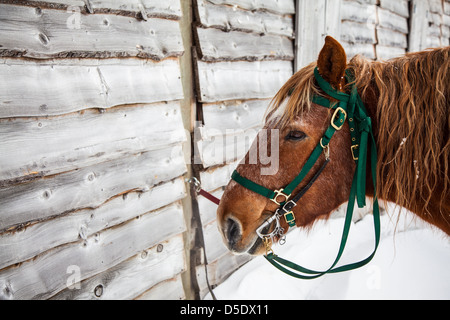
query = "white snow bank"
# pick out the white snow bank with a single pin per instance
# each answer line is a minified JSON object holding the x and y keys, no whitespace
{"x":412,"y":262}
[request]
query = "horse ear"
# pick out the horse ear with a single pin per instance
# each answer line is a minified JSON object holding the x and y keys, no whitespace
{"x":332,"y":62}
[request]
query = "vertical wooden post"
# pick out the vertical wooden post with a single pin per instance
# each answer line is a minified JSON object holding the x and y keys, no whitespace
{"x":418,"y":29}
{"x":188,"y":112}
{"x":313,"y":22}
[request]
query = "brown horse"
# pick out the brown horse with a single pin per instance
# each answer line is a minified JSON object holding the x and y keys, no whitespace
{"x":407,"y":99}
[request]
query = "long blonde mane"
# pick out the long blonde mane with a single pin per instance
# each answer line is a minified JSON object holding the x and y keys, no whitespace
{"x":411,"y":94}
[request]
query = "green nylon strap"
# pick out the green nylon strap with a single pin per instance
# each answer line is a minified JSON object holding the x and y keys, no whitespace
{"x":360,"y":131}
{"x":357,"y":113}
{"x":252,"y":185}
{"x":281,"y":263}
{"x":259,"y":189}
{"x":314,"y":155}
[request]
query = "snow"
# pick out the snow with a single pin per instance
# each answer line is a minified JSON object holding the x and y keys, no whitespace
{"x":412,"y":262}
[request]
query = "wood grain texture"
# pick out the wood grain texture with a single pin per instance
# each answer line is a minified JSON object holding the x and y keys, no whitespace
{"x":46,"y":33}
{"x":88,"y":187}
{"x":63,"y":86}
{"x":47,"y":274}
{"x":220,"y":81}
{"x":219,"y":270}
{"x":418,"y":34}
{"x":390,"y":20}
{"x":217,"y":45}
{"x":315,"y":20}
{"x":171,"y":289}
{"x":140,"y":9}
{"x":28,"y":242}
{"x":229,"y":18}
{"x":223,"y":149}
{"x":216,"y":177}
{"x":355,"y":32}
{"x":208,"y":209}
{"x":276,"y":6}
{"x":365,"y":49}
{"x":234,"y":115}
{"x":384,"y":53}
{"x":150,"y":8}
{"x":391,"y":38}
{"x":358,"y":12}
{"x":131,"y":278}
{"x":46,"y":146}
{"x":399,"y":7}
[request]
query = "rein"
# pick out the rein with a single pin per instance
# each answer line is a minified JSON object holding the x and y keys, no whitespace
{"x":351,"y":107}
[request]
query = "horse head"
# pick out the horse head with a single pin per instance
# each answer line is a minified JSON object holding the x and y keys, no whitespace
{"x":300,"y":125}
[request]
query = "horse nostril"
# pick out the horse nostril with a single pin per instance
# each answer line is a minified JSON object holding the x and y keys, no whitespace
{"x":233,"y":232}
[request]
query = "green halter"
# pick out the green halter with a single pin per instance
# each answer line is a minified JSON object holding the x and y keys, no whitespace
{"x":348,"y":106}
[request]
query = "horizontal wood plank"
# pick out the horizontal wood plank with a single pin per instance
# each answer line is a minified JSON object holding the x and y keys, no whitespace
{"x":217,"y":45}
{"x":391,"y":38}
{"x":217,"y":177}
{"x":229,"y":18}
{"x":28,"y":242}
{"x":234,"y":115}
{"x":365,"y":49}
{"x":208,"y":209}
{"x":63,"y":86}
{"x":219,"y":270}
{"x":355,"y":32}
{"x":150,"y":8}
{"x":222,"y":149}
{"x":239,"y":80}
{"x":46,"y":146}
{"x":276,"y":6}
{"x":171,"y":289}
{"x":215,"y":247}
{"x":399,"y":7}
{"x":384,"y":53}
{"x":88,"y":187}
{"x":134,"y":276}
{"x":47,"y":33}
{"x":49,"y":273}
{"x":358,"y":12}
{"x":137,"y":8}
{"x":390,"y":20}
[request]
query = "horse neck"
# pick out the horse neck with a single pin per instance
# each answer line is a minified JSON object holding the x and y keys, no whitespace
{"x":437,"y":212}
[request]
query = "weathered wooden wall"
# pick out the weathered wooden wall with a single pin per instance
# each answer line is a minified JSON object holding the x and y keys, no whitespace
{"x":430,"y":24}
{"x":385,"y":29}
{"x":243,"y":55}
{"x":91,"y":165}
{"x":95,"y":102}
{"x":377,"y":29}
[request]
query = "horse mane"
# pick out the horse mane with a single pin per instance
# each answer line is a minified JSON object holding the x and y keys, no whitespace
{"x":412,"y":110}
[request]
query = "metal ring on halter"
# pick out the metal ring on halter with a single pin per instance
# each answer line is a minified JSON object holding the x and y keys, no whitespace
{"x":277,"y":231}
{"x":326,"y":149}
{"x":196,"y":183}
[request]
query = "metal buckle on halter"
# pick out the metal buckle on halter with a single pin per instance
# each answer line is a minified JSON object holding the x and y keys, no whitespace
{"x":280,"y":193}
{"x":338,"y":109}
{"x":353,"y":151}
{"x":290,"y":218}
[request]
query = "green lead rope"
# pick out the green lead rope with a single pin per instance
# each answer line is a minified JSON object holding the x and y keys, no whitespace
{"x":362,"y":141}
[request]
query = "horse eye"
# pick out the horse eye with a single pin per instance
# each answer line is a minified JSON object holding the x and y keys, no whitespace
{"x":296,"y":136}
